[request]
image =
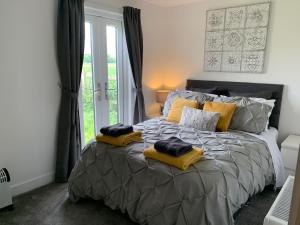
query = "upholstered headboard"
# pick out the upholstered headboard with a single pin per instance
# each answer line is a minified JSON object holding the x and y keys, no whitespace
{"x":241,"y":87}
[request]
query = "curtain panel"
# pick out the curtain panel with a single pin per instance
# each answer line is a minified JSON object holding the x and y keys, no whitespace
{"x":70,"y":51}
{"x":134,"y":39}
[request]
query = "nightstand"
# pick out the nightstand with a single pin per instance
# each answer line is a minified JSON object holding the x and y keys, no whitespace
{"x":289,"y":151}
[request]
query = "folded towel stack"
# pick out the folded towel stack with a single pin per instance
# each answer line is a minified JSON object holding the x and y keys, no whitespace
{"x":122,"y":140}
{"x":173,"y":146}
{"x":116,"y":130}
{"x":182,"y":162}
{"x":118,"y":135}
{"x":175,"y":152}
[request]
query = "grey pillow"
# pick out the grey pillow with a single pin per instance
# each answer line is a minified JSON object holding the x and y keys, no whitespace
{"x":249,"y":116}
{"x":199,"y":119}
{"x":200,"y":97}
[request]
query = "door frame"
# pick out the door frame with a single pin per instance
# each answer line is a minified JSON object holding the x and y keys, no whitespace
{"x":125,"y":81}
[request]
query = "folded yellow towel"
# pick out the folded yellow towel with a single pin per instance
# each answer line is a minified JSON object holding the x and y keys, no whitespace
{"x":182,"y":162}
{"x":122,"y":140}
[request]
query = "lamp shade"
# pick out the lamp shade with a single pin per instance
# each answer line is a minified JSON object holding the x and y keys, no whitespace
{"x":161,"y":96}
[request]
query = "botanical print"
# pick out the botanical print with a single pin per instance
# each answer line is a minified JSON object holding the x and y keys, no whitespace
{"x":215,"y":20}
{"x":231,"y":61}
{"x":236,"y":38}
{"x":253,"y":61}
{"x":233,"y":40}
{"x":235,"y":18}
{"x":258,"y":15}
{"x":213,"y":61}
{"x":214,"y":41}
{"x":255,"y":39}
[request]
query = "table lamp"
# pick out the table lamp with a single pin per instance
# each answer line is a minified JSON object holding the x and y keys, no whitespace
{"x":161,"y":97}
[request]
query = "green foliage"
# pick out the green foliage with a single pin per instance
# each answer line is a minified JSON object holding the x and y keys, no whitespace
{"x":111,"y":59}
{"x":87,"y":58}
{"x":113,"y":95}
{"x":88,"y":107}
{"x":88,"y":99}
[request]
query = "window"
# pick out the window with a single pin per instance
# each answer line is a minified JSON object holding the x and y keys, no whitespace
{"x":106,"y":85}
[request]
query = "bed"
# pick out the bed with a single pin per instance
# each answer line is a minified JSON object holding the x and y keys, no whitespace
{"x":236,"y":166}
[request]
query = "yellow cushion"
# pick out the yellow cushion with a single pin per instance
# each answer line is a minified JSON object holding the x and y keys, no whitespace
{"x":225,"y":109}
{"x":175,"y":112}
{"x":122,"y":140}
{"x":182,"y":162}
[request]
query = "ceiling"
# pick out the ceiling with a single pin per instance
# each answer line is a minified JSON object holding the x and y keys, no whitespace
{"x":170,"y":3}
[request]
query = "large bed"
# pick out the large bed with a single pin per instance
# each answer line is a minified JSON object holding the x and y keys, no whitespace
{"x":236,"y":165}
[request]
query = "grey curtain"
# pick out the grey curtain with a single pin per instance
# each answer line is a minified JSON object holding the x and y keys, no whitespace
{"x":134,"y":38}
{"x":70,"y":50}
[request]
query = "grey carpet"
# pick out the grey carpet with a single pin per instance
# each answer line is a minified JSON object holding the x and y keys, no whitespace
{"x":49,"y":205}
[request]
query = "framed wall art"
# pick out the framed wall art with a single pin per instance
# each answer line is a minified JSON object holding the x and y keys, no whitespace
{"x":236,"y":38}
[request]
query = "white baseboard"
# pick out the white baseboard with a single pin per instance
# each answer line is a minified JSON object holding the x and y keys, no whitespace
{"x":32,"y":184}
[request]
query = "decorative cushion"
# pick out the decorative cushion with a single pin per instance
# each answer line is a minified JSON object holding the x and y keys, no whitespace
{"x":270,"y":102}
{"x":250,"y":116}
{"x":175,"y":112}
{"x":226,"y":111}
{"x":199,"y":119}
{"x":200,"y":97}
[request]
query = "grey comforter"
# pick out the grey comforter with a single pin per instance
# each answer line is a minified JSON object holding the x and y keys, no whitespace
{"x":235,"y":167}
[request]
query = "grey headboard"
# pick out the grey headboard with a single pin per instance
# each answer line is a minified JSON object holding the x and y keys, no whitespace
{"x":276,"y":90}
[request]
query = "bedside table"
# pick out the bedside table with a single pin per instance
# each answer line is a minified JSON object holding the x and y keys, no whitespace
{"x":289,"y":152}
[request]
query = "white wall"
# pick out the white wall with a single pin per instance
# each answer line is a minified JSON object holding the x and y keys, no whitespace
{"x":29,"y":95}
{"x":186,"y":26}
{"x":155,"y":50}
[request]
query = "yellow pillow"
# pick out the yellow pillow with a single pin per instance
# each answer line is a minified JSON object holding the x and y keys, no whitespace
{"x":175,"y":112}
{"x":225,"y":109}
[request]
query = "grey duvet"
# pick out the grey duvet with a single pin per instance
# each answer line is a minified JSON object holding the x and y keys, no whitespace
{"x":235,"y":166}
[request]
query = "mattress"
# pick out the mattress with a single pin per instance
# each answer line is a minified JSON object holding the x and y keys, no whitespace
{"x":235,"y":166}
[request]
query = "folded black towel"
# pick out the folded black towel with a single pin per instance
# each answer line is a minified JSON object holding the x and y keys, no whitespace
{"x":173,"y":146}
{"x":116,"y":130}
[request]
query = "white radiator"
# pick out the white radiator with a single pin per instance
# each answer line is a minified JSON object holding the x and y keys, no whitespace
{"x":5,"y":194}
{"x":280,"y":210}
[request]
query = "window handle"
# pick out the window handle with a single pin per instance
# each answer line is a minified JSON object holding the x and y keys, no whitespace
{"x":98,"y":92}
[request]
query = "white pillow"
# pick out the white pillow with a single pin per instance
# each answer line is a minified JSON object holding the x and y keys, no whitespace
{"x":270,"y":102}
{"x":199,"y":119}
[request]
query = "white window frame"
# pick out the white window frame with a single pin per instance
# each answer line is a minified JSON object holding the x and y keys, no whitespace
{"x":126,"y":98}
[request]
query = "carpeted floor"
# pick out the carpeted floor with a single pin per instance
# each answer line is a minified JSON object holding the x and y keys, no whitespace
{"x":49,"y":205}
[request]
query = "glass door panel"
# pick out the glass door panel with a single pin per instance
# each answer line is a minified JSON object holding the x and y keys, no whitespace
{"x":111,"y":86}
{"x":87,"y":91}
{"x":100,"y":82}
